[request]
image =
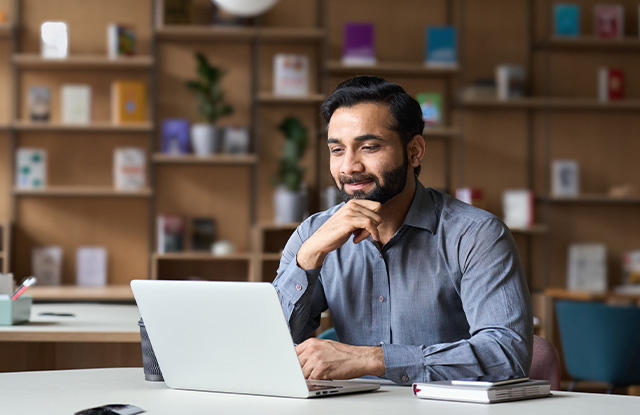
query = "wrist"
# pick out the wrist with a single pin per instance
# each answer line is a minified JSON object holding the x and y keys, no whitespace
{"x":309,"y":258}
{"x":375,"y":361}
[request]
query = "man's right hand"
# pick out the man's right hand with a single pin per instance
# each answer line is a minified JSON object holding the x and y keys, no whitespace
{"x":357,"y":217}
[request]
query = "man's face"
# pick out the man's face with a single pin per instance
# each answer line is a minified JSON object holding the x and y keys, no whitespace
{"x":367,"y":158}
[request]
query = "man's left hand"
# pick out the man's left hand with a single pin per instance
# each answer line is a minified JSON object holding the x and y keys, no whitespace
{"x":328,"y":359}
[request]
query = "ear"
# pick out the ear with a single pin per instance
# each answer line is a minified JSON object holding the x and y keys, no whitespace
{"x":416,"y":150}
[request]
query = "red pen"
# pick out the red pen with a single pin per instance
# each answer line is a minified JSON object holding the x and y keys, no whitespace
{"x":28,"y":282}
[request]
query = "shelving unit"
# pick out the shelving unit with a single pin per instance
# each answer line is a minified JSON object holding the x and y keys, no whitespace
{"x":5,"y":253}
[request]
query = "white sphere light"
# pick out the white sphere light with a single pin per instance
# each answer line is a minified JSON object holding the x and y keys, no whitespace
{"x":245,"y":8}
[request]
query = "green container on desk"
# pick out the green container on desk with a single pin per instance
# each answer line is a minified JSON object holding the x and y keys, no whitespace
{"x":15,"y":312}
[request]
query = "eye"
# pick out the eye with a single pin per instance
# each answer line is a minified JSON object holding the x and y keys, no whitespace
{"x":370,"y":148}
{"x":336,"y":150}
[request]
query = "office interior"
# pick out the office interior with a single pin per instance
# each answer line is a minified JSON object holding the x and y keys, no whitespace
{"x":484,"y":144}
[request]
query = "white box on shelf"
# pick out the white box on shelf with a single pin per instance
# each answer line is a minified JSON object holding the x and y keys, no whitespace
{"x":510,"y":81}
{"x":91,"y":266}
{"x":129,"y":168}
{"x":290,"y":74}
{"x":46,"y":264}
{"x":517,"y":208}
{"x":31,"y":168}
{"x":54,"y":40}
{"x":565,"y":178}
{"x":76,"y":104}
{"x":587,"y":267}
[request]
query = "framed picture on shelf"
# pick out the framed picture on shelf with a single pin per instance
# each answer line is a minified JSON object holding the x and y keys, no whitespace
{"x":565,"y":176}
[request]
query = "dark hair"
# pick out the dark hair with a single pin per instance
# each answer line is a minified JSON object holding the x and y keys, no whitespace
{"x":405,"y":110}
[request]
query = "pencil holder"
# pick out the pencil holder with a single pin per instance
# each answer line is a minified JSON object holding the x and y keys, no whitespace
{"x":15,"y":312}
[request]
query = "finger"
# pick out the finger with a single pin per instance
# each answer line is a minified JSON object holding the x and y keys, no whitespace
{"x":368,"y":204}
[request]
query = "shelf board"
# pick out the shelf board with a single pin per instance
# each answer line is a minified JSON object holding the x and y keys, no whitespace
{"x":227,"y":159}
{"x":440,"y":132}
{"x":35,"y":61}
{"x":290,"y":34}
{"x":391,"y":68}
{"x":97,"y":126}
{"x":271,"y":98}
{"x":76,"y":293}
{"x":513,"y":103}
{"x":200,"y":256}
{"x":590,"y":104}
{"x":203,"y":33}
{"x":591,"y":43}
{"x":593,"y":199}
{"x":270,"y":257}
{"x":532,"y":230}
{"x":81,"y":191}
{"x":271,"y":226}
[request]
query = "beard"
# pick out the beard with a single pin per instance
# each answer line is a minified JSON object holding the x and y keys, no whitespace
{"x":394,"y":181}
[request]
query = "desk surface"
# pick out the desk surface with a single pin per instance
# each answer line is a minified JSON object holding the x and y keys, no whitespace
{"x":65,"y":392}
{"x":76,"y":293}
{"x":103,"y":323}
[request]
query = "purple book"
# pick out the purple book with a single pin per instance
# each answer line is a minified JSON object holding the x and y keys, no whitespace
{"x":359,"y":44}
{"x":175,"y":136}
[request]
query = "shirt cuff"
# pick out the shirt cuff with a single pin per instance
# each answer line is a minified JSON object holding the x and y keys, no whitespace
{"x":403,"y":364}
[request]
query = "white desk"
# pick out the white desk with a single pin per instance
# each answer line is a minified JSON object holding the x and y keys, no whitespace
{"x":65,"y":392}
{"x":95,"y":335}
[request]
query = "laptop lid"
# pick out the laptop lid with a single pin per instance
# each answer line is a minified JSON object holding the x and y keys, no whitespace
{"x":222,"y":336}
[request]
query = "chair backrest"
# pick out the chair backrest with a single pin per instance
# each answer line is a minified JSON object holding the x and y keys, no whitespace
{"x":329,"y":334}
{"x":600,"y":342}
{"x":546,"y":362}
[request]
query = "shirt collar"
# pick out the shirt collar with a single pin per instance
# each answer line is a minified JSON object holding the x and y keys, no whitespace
{"x":423,"y":212}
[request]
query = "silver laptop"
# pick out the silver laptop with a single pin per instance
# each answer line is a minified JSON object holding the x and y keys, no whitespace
{"x":226,"y":337}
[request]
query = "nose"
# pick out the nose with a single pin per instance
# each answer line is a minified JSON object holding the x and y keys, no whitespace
{"x":351,"y":163}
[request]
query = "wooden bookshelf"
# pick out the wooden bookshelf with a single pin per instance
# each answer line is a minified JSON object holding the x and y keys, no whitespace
{"x":594,"y":199}
{"x":205,"y":33}
{"x":441,"y":132}
{"x":391,"y":68}
{"x":270,"y":98}
{"x":74,"y":293}
{"x":222,"y":159}
{"x":93,"y":127}
{"x":591,"y":44}
{"x":96,"y":62}
{"x":82,"y":191}
{"x":5,"y":246}
{"x":538,"y":229}
{"x":6,"y":30}
{"x":291,"y":34}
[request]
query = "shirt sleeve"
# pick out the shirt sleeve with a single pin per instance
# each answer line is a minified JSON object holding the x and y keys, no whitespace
{"x":496,"y":302}
{"x":300,"y":291}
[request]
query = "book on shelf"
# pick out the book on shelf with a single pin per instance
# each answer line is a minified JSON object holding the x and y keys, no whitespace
{"x":129,"y":168}
{"x":203,"y":233}
{"x":121,"y":40}
{"x":480,"y":88}
{"x":518,"y":208}
{"x":91,"y":266}
{"x":128,"y":101}
{"x":170,"y":230}
{"x":359,"y":46}
{"x":236,"y":140}
{"x":566,"y":19}
{"x":449,"y":390}
{"x":470,"y":195}
{"x":76,"y":104}
{"x":608,"y":21}
{"x":587,"y":267}
{"x":610,"y":84}
{"x":39,"y":103}
{"x":441,"y":48}
{"x":175,"y":136}
{"x":631,"y":268}
{"x":431,"y":106}
{"x":565,"y":178}
{"x":54,"y":40}
{"x":511,"y":81}
{"x":46,"y":264}
{"x":31,"y":168}
{"x":290,"y":74}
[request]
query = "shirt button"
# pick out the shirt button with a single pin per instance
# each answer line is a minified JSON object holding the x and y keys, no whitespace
{"x":381,"y":298}
{"x":381,"y":342}
{"x":405,"y":378}
{"x":298,"y":287}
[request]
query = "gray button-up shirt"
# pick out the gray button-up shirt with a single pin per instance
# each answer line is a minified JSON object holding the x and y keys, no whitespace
{"x":446,"y":297}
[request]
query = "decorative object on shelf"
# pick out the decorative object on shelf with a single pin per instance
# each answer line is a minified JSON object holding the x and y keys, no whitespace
{"x":128,"y":101}
{"x":518,"y":208}
{"x":170,"y":230}
{"x":290,"y":198}
{"x":91,"y":266}
{"x":480,"y":88}
{"x":121,"y":40}
{"x":129,"y":168}
{"x":330,"y":197}
{"x":565,"y":178}
{"x":610,"y":84}
{"x":290,"y":74}
{"x":471,"y":196}
{"x":39,"y":103}
{"x":587,"y":267}
{"x":631,"y":268}
{"x":359,"y":47}
{"x":441,"y":46}
{"x":236,"y":140}
{"x":175,"y":136}
{"x":431,"y":106}
{"x":566,"y":19}
{"x":31,"y":168}
{"x":608,"y":20}
{"x":46,"y":264}
{"x":510,"y":81}
{"x":54,"y":40}
{"x":245,"y":8}
{"x":203,"y":233}
{"x":222,"y":248}
{"x":206,"y":137}
{"x":76,"y":104}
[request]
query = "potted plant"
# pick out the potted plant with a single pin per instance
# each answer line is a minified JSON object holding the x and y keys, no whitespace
{"x":290,"y":198}
{"x":206,"y":137}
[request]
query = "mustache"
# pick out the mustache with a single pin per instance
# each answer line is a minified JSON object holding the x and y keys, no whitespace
{"x":357,"y":178}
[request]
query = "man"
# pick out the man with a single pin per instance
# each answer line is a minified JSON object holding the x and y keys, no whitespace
{"x":420,"y":286}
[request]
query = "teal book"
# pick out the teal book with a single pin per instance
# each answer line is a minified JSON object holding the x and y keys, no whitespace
{"x":566,"y":19}
{"x":441,"y":47}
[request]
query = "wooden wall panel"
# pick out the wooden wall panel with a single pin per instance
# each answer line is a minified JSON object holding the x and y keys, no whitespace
{"x":5,"y":176}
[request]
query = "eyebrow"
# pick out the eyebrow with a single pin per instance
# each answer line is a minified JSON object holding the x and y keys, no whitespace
{"x":360,"y":138}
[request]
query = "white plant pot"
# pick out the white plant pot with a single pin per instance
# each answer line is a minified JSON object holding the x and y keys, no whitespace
{"x":289,"y":206}
{"x":205,"y":139}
